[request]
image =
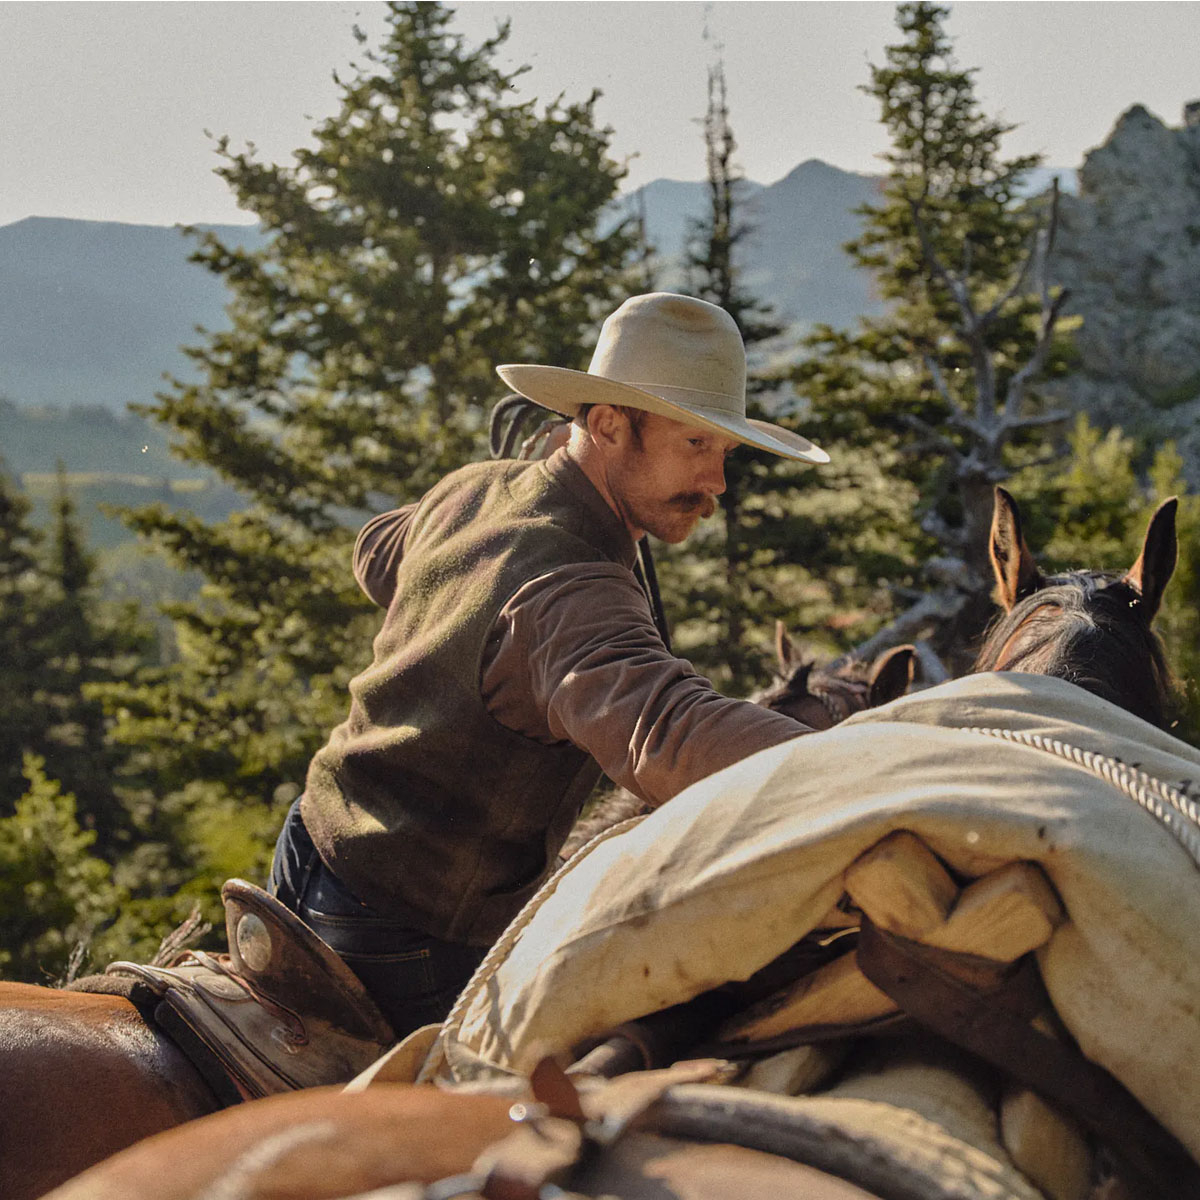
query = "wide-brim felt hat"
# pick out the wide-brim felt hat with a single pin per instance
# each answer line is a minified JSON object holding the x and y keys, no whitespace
{"x":672,"y":355}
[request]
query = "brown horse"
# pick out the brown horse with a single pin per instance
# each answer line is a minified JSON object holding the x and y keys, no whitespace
{"x":323,"y":1144}
{"x":822,"y":697}
{"x":80,"y":1077}
{"x":1091,"y":628}
{"x":83,"y":1075}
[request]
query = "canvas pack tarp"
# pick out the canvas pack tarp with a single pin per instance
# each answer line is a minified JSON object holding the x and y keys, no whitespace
{"x":986,"y":770}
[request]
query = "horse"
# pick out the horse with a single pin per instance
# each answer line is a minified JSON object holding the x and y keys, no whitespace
{"x":822,"y":697}
{"x":102,"y":1062}
{"x":416,"y":1143}
{"x":1091,"y":628}
{"x":1087,"y":628}
{"x":818,"y":697}
{"x":82,"y":1076}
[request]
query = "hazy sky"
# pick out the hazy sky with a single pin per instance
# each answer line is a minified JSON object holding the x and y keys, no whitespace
{"x":104,"y":106}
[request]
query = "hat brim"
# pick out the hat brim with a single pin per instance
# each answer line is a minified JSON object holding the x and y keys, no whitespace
{"x":565,"y":391}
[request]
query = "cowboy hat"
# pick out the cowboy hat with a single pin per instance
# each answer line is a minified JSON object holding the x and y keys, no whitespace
{"x":677,"y":356}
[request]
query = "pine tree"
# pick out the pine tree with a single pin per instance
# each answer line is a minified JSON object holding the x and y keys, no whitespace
{"x":22,"y":595}
{"x":926,"y":408}
{"x":435,"y":228}
{"x":54,"y":893}
{"x":730,"y":582}
{"x":84,"y":644}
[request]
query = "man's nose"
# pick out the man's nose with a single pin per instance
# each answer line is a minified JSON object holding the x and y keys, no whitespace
{"x":714,"y":477}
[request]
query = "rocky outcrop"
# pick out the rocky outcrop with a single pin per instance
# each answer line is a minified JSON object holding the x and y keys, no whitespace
{"x":1128,"y":248}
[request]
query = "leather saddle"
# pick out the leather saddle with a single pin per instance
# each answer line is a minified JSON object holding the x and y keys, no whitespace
{"x":279,"y":1011}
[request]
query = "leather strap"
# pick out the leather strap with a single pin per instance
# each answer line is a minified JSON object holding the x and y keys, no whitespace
{"x":989,"y":1023}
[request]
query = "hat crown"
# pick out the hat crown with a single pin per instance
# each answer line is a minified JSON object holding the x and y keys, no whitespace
{"x":665,"y":341}
{"x":672,"y":355}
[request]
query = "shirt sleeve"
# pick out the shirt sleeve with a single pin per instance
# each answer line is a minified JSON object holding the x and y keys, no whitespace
{"x":378,"y":551}
{"x":574,"y":656}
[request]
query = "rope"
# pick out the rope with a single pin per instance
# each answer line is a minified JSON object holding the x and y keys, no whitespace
{"x":1169,"y":806}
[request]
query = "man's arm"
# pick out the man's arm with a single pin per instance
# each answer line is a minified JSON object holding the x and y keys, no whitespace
{"x":378,"y":551}
{"x":575,"y":656}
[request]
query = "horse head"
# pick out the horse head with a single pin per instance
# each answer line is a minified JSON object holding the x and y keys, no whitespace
{"x":1092,"y":628}
{"x":823,"y":697}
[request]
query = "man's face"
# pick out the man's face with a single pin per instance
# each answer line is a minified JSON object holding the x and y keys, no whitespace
{"x":666,"y":476}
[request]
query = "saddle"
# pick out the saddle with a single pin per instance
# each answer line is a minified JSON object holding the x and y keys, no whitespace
{"x":279,"y":1011}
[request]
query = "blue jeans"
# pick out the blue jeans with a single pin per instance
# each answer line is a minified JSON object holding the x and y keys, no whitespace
{"x":412,"y":977}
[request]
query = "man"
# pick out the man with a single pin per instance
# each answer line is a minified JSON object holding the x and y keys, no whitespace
{"x":519,"y":659}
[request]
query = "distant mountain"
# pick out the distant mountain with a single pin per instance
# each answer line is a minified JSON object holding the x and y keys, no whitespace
{"x":34,"y":439}
{"x":94,"y":312}
{"x":792,"y":255}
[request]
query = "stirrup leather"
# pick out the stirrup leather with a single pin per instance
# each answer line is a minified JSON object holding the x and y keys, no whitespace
{"x":279,"y":1011}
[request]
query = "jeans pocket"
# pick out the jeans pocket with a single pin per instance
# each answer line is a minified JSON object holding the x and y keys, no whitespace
{"x":406,"y":974}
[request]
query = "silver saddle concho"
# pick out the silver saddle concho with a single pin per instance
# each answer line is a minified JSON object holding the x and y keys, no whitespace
{"x":280,"y":1011}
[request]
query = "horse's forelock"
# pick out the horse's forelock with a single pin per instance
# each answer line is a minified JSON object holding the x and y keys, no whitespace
{"x":1088,"y":628}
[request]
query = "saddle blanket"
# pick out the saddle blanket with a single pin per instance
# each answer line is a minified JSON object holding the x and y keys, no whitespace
{"x":987,"y":770}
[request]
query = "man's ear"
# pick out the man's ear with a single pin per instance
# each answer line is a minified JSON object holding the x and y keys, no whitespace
{"x":605,"y":424}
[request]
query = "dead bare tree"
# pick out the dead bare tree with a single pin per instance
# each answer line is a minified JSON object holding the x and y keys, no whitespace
{"x":959,"y":579}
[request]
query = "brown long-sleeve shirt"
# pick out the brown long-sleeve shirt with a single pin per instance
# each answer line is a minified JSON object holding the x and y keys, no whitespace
{"x":574,"y":656}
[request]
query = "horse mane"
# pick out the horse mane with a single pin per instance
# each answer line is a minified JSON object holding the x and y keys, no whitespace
{"x":1089,"y":628}
{"x":787,"y":682}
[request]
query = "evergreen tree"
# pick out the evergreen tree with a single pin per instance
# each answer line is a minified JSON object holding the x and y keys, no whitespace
{"x":725,"y":586}
{"x":54,"y":893}
{"x":83,"y":644}
{"x":436,"y":227}
{"x":926,"y":408}
{"x":22,"y":593}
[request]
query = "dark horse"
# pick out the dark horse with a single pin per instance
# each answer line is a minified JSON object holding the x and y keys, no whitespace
{"x":819,"y":697}
{"x":84,"y":1075}
{"x":1091,"y":628}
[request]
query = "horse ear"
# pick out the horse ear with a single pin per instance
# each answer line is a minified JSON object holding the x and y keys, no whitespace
{"x":1156,"y":563}
{"x":891,"y":673}
{"x":1017,"y":575}
{"x":785,"y":649}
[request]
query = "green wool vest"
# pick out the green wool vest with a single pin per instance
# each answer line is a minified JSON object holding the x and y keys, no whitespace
{"x":426,"y":807}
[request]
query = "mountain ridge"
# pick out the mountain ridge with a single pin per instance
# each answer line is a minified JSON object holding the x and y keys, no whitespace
{"x":98,"y":310}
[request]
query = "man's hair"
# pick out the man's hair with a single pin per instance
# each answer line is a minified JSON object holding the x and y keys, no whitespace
{"x":637,"y":418}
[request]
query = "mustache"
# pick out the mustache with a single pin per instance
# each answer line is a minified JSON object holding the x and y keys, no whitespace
{"x":694,"y":501}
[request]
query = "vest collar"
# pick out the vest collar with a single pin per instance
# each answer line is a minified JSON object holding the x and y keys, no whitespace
{"x":610,"y":535}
